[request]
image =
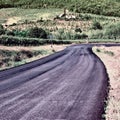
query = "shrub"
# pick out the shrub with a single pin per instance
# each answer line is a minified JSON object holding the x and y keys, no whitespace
{"x":2,"y":31}
{"x":84,"y":36}
{"x":1,"y":26}
{"x":10,"y":33}
{"x":81,"y":36}
{"x":96,"y":25}
{"x":12,"y":41}
{"x":37,"y":33}
{"x":14,"y":24}
{"x":77,"y":36}
{"x":98,"y":50}
{"x":109,"y":53}
{"x":78,"y":30}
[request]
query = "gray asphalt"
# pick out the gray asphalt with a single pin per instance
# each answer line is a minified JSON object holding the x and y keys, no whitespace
{"x":68,"y":85}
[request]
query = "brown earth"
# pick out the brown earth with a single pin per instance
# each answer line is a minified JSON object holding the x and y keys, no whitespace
{"x":112,"y":63}
{"x":43,"y":47}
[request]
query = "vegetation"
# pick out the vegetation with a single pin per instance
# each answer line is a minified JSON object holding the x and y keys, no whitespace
{"x":37,"y":33}
{"x":109,"y":53}
{"x":98,"y":50}
{"x":96,"y":25}
{"x":14,"y":58}
{"x":2,"y":31}
{"x":21,"y":41}
{"x":101,"y":7}
{"x":110,"y":31}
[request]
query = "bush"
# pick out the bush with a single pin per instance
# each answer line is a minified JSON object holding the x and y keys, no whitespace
{"x":78,"y":30}
{"x":37,"y":33}
{"x":10,"y":33}
{"x":98,"y":50}
{"x":81,"y":36}
{"x":13,"y":41}
{"x":84,"y":36}
{"x":96,"y":25}
{"x":2,"y":31}
{"x":1,"y":26}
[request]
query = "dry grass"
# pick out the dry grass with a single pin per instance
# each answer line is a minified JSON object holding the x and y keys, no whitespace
{"x":48,"y":49}
{"x":112,"y":64}
{"x":43,"y":47}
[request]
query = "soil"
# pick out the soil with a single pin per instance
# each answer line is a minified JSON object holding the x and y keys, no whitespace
{"x":112,"y":64}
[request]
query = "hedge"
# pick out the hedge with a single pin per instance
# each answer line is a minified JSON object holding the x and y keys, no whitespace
{"x":22,"y":41}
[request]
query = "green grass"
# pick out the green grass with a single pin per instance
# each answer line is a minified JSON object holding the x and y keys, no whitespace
{"x":101,"y":7}
{"x":28,"y":14}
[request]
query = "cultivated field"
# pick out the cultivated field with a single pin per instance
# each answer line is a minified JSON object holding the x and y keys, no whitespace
{"x":19,"y":21}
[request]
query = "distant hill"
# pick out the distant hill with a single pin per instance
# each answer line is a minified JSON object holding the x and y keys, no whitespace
{"x":101,"y":7}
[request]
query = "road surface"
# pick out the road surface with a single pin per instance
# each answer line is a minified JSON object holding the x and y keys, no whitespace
{"x":68,"y":85}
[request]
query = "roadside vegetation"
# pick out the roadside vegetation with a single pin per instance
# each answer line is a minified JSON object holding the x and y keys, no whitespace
{"x":12,"y":58}
{"x":110,"y":53}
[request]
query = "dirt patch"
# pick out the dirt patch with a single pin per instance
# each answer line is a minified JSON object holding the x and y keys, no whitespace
{"x":12,"y":20}
{"x":45,"y":47}
{"x":112,"y":63}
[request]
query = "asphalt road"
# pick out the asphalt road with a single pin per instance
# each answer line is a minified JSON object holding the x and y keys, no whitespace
{"x":68,"y":85}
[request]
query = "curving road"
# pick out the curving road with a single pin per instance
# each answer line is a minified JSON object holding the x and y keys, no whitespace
{"x":68,"y":85}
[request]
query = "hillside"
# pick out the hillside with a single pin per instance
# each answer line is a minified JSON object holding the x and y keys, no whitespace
{"x":101,"y":7}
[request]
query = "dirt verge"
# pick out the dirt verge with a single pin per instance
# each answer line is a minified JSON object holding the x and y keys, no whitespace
{"x":111,"y":58}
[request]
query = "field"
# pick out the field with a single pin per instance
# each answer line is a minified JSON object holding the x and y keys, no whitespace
{"x":19,"y":21}
{"x":18,"y":15}
{"x":101,"y":7}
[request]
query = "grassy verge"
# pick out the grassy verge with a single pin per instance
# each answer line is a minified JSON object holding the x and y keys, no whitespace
{"x":11,"y":58}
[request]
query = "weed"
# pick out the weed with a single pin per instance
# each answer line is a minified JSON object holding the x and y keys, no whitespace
{"x":109,"y":53}
{"x":98,"y":50}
